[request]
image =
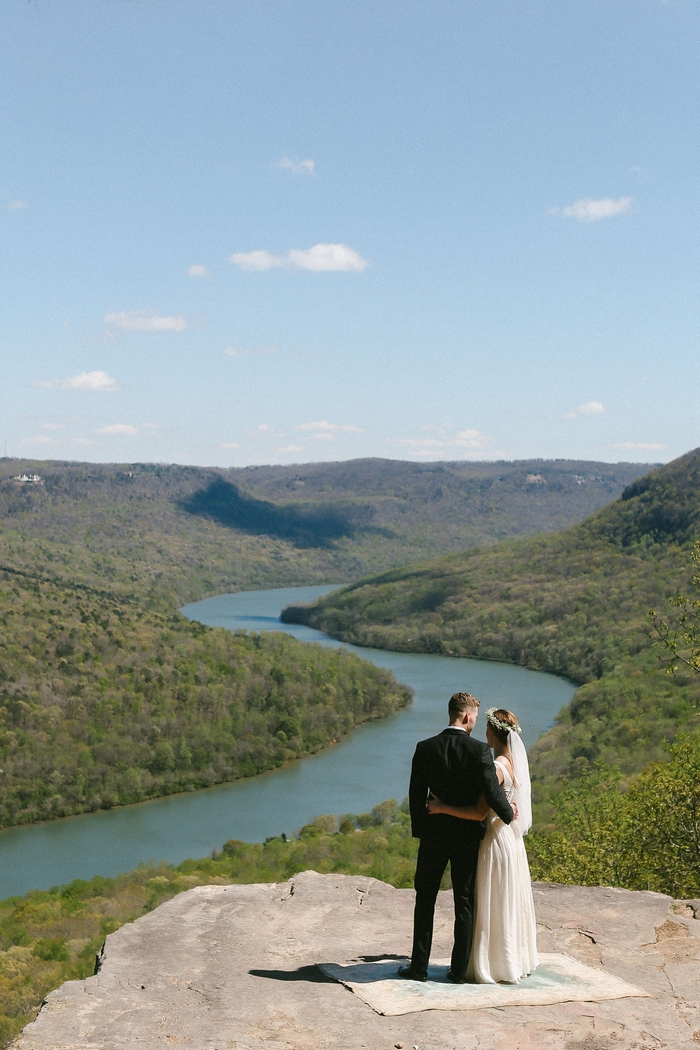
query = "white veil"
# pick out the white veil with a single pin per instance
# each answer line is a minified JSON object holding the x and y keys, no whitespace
{"x":521,"y":771}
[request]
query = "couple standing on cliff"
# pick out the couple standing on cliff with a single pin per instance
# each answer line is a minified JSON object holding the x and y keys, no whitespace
{"x":473,"y":811}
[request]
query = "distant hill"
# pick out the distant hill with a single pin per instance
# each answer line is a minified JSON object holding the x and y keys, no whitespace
{"x":186,"y":532}
{"x":574,"y":603}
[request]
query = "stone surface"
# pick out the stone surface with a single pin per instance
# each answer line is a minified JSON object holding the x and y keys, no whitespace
{"x":233,"y":968}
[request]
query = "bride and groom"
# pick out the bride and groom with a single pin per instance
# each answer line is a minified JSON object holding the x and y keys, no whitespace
{"x":473,"y":811}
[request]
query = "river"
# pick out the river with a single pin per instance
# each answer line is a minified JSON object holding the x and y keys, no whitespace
{"x":370,"y":765}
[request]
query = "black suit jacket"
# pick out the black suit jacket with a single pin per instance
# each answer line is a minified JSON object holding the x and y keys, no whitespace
{"x":458,"y":769}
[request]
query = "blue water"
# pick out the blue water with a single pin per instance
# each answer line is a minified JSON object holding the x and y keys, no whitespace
{"x":372,"y":764}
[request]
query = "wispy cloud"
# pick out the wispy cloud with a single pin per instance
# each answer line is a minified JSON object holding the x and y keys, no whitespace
{"x":54,"y":426}
{"x":197,"y":270}
{"x":119,"y":429}
{"x":40,"y":439}
{"x":321,"y":258}
{"x":639,"y":446}
{"x":265,"y":430}
{"x":591,"y":408}
{"x":245,"y":351}
{"x":291,"y":448}
{"x":231,"y":445}
{"x":94,"y":381}
{"x":146,"y":321}
{"x":17,"y":205}
{"x":446,"y":440}
{"x":301,"y":167}
{"x":590,"y":210}
{"x":322,"y":430}
{"x":258,"y":260}
{"x":125,"y":429}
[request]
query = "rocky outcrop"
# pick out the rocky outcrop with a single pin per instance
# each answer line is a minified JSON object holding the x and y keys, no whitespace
{"x":233,"y":968}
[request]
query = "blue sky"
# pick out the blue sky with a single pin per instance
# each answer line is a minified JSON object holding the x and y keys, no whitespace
{"x":275,"y":232}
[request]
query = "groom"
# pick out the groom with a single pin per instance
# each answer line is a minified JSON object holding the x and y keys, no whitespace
{"x":458,"y":770}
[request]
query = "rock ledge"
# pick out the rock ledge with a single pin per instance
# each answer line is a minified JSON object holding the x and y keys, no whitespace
{"x":233,"y":968}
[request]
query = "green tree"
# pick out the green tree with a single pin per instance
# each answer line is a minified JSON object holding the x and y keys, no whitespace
{"x":664,"y":811}
{"x":645,"y":838}
{"x":681,"y":637}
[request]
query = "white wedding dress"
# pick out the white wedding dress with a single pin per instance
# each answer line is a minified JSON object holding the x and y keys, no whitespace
{"x":505,"y":936}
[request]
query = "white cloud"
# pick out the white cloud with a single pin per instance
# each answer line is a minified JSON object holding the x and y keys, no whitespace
{"x":146,"y":321}
{"x":291,"y":448}
{"x":323,"y":427}
{"x":639,"y":446}
{"x":53,"y":426}
{"x":302,"y":167}
{"x":324,"y":257}
{"x":321,"y":258}
{"x":94,"y":381}
{"x":231,"y":444}
{"x":16,"y":205}
{"x":590,"y":210}
{"x":244,"y":351}
{"x":119,"y":429}
{"x":259,"y":260}
{"x":198,"y":271}
{"x":126,"y":429}
{"x":591,"y":408}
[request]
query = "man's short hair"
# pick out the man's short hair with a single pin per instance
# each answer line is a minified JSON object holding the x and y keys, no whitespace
{"x":459,"y":703}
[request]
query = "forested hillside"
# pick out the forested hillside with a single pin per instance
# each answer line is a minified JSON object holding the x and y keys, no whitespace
{"x":108,"y":696}
{"x":105,"y":700}
{"x":184,"y":532}
{"x":575,"y":603}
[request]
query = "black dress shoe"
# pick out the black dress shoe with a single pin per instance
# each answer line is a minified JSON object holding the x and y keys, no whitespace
{"x":457,"y":980}
{"x":410,"y":975}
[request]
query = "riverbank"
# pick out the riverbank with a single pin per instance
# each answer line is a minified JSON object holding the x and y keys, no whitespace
{"x":108,"y":701}
{"x":371,"y":763}
{"x":47,"y":937}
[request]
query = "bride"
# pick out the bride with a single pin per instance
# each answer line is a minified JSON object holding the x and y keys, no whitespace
{"x":505,"y":939}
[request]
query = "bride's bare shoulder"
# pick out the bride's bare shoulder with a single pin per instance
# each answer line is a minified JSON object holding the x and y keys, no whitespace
{"x":506,"y":763}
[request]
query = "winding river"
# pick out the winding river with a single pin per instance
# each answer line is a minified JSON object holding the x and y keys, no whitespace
{"x":370,"y":765}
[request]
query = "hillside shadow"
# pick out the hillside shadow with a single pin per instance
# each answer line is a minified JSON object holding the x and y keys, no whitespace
{"x":304,"y":526}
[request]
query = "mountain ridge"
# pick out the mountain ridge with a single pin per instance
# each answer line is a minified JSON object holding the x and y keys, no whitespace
{"x":573,"y":603}
{"x":184,"y":533}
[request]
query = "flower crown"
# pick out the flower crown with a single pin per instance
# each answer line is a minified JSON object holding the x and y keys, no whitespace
{"x":504,"y":727}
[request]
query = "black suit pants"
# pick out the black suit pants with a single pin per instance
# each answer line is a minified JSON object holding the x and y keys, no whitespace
{"x":434,"y":853}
